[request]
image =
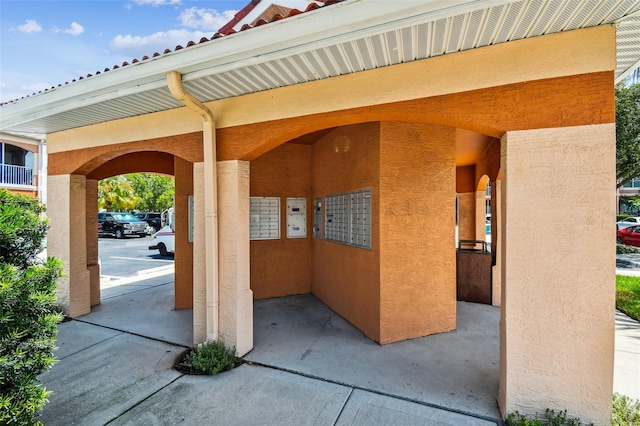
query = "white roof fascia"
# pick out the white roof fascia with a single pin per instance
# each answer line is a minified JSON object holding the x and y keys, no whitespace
{"x":6,"y":137}
{"x":278,"y":39}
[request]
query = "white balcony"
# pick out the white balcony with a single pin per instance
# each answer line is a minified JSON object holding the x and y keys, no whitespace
{"x":11,"y":175}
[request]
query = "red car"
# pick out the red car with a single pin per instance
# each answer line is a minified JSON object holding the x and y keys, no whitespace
{"x":629,"y":236}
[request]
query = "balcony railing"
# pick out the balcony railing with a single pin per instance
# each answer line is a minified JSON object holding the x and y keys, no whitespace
{"x":16,"y":175}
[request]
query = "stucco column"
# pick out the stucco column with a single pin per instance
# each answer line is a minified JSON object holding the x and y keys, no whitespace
{"x":558,"y":300}
{"x":481,"y":215}
{"x":236,"y":297}
{"x":467,"y":216}
{"x":92,"y":240}
{"x":183,"y":257}
{"x":416,"y":300}
{"x":496,"y":243}
{"x":67,"y":240}
{"x":199,"y":262}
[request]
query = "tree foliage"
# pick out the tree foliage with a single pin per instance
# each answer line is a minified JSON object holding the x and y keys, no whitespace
{"x":154,"y":192}
{"x":22,"y":229}
{"x":28,"y":318}
{"x":627,"y":133}
{"x":146,"y":192}
{"x":116,"y":194}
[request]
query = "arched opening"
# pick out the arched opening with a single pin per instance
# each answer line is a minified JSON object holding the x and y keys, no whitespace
{"x":170,"y":295}
{"x":325,"y":296}
{"x":483,"y":210}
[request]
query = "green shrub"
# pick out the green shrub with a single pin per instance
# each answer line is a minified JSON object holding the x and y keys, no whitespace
{"x":551,"y":418}
{"x":22,"y":229}
{"x":624,"y":249}
{"x":626,"y":411}
{"x":209,"y":358}
{"x":622,"y":217}
{"x":28,"y":316}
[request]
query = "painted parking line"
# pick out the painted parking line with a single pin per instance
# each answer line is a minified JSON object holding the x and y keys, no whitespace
{"x":142,"y":275}
{"x":141,"y":258}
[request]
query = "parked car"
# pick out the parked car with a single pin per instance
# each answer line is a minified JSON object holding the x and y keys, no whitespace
{"x":165,"y":238}
{"x":629,"y":236}
{"x":121,"y":224}
{"x":164,"y":241}
{"x":630,"y":221}
{"x":152,"y":219}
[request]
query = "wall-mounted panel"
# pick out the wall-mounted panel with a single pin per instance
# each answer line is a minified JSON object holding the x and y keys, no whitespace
{"x":317,"y":218}
{"x":348,"y":218}
{"x":265,"y":218}
{"x":296,"y":217}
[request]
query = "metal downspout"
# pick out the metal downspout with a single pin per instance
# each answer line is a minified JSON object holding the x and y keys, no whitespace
{"x":174,"y":81}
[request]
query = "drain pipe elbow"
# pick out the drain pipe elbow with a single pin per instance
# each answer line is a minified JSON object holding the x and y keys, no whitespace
{"x":174,"y":82}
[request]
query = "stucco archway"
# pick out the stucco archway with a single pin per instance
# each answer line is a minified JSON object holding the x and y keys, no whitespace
{"x":74,"y":178}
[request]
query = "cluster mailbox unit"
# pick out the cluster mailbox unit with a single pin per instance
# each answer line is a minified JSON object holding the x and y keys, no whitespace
{"x":347,"y":218}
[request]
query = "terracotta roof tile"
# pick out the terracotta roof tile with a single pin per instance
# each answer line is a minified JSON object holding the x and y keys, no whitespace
{"x":265,"y":19}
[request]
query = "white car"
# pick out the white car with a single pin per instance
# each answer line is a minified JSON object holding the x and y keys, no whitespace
{"x":630,"y":221}
{"x":164,"y":241}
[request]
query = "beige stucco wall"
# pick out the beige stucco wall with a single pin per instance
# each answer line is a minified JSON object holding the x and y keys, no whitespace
{"x":67,"y":239}
{"x":558,"y":300}
{"x":417,"y":225}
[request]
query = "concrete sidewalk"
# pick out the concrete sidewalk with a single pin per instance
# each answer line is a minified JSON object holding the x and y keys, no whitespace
{"x":309,"y":366}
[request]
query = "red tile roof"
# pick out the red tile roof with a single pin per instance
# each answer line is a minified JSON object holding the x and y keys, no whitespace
{"x":239,"y":16}
{"x":226,"y":30}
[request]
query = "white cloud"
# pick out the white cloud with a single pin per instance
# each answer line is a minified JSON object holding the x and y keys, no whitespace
{"x":157,"y":2}
{"x":30,"y":26}
{"x":205,"y":19}
{"x":75,"y":29}
{"x":137,"y":46}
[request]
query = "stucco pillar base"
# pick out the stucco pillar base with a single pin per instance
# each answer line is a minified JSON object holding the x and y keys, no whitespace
{"x":558,"y":300}
{"x":67,"y":240}
{"x":236,"y":297}
{"x":94,"y":283}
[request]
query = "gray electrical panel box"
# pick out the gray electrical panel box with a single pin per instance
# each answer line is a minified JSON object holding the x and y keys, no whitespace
{"x":317,"y":218}
{"x":348,"y":218}
{"x":264,"y":215}
{"x":296,"y":217}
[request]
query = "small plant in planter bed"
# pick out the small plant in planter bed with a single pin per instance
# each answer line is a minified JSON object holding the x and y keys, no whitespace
{"x":551,"y":418}
{"x":209,"y":358}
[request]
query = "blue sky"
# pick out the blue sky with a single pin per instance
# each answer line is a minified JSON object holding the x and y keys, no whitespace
{"x":44,"y":43}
